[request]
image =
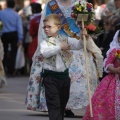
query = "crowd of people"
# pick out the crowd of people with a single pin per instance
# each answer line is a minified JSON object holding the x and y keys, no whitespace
{"x":54,"y":57}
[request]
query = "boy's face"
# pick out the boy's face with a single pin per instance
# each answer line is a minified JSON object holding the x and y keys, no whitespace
{"x":50,"y":29}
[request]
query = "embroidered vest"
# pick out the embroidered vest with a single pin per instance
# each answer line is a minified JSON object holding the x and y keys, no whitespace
{"x":65,"y":55}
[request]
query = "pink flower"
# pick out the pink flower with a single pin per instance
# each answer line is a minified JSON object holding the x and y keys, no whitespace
{"x":91,"y":27}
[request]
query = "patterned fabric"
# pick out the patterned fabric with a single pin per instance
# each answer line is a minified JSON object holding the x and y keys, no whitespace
{"x":2,"y":72}
{"x":79,"y":90}
{"x":105,"y":101}
{"x":66,"y":9}
{"x":2,"y":76}
{"x":35,"y":97}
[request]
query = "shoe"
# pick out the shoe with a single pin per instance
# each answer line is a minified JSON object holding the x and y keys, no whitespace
{"x":69,"y":113}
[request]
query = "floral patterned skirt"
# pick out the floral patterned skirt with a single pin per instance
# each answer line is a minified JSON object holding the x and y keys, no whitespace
{"x":79,"y":89}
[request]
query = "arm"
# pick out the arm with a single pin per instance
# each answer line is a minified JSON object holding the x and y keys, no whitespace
{"x":92,"y":47}
{"x":48,"y":51}
{"x":19,"y":29}
{"x":75,"y":44}
{"x":0,"y":14}
{"x":113,"y":70}
{"x":109,"y":62}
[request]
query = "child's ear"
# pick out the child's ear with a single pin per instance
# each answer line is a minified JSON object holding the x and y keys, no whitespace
{"x":59,"y":27}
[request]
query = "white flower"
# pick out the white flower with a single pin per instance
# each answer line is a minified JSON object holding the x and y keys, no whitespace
{"x":83,"y":2}
{"x":76,"y":3}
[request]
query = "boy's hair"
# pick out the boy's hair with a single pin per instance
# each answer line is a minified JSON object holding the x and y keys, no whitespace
{"x":10,"y":3}
{"x":55,"y":17}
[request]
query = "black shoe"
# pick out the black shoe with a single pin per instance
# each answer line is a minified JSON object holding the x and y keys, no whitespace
{"x":69,"y":113}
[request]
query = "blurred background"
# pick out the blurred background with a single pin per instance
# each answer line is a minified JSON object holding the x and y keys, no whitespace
{"x":12,"y":96}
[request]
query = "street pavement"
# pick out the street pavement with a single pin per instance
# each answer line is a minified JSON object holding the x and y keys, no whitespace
{"x":12,"y":105}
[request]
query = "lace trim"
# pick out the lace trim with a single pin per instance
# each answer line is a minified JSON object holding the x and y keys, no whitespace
{"x":66,"y":9}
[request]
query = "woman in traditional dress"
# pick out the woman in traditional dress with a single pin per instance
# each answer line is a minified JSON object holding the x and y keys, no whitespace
{"x":106,"y":99}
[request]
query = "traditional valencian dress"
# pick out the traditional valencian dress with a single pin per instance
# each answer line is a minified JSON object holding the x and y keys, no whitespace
{"x":2,"y":72}
{"x":106,"y":99}
{"x":77,"y":71}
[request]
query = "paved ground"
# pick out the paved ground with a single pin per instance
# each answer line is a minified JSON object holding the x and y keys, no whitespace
{"x":12,"y":105}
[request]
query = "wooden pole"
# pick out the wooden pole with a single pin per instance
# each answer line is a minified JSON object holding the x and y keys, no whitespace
{"x":87,"y":73}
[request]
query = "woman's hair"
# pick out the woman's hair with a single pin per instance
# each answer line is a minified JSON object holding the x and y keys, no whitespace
{"x":55,"y":17}
{"x":36,"y":8}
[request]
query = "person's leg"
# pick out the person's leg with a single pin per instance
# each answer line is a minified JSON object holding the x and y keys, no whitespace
{"x":52,"y":98}
{"x":64,"y":95}
{"x":69,"y":113}
{"x":14,"y":41}
{"x":5,"y":42}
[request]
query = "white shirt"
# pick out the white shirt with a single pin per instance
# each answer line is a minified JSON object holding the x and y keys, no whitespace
{"x":53,"y":60}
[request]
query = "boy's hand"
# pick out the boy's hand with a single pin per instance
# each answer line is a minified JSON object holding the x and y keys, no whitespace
{"x":84,"y":32}
{"x":64,"y":46}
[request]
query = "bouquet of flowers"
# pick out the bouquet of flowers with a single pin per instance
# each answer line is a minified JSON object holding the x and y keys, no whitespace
{"x":85,"y":8}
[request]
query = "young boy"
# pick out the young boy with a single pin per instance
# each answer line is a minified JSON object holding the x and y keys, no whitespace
{"x":55,"y":68}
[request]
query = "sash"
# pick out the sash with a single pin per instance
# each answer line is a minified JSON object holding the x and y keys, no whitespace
{"x":55,"y":9}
